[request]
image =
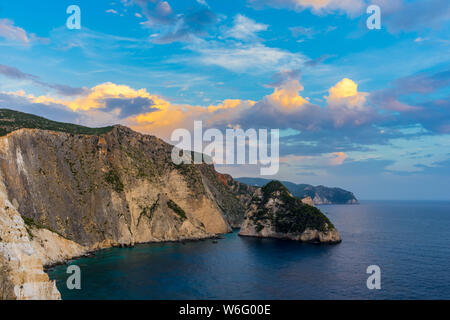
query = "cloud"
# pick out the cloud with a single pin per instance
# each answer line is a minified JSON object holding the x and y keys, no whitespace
{"x":338,"y":158}
{"x":441,"y":168}
{"x":401,"y":15}
{"x":188,"y":26}
{"x":105,"y":104}
{"x":21,"y":102}
{"x":345,"y":92}
{"x":239,"y":49}
{"x":317,"y":61}
{"x":16,"y":74}
{"x":285,"y":108}
{"x":108,"y":96}
{"x":420,"y":39}
{"x":139,"y":109}
{"x":302,"y":31}
{"x":129,"y":106}
{"x":242,"y":58}
{"x":347,"y":105}
{"x":287,"y":96}
{"x":397,"y":15}
{"x":317,"y":146}
{"x":95,"y":45}
{"x":432,"y":112}
{"x":283,"y":76}
{"x":314,"y":161}
{"x":11,"y":32}
{"x":168,"y":26}
{"x":422,"y":83}
{"x":350,"y":7}
{"x":245,"y":28}
{"x":203,"y":3}
{"x":348,"y":122}
{"x":169,"y":117}
{"x":368,"y":167}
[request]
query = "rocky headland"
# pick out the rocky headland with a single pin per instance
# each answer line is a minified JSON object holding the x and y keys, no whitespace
{"x":320,"y":195}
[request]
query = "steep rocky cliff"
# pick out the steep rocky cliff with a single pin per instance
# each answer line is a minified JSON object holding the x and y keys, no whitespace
{"x":71,"y":190}
{"x":275,"y":213}
{"x":226,"y":193}
{"x":119,"y":188}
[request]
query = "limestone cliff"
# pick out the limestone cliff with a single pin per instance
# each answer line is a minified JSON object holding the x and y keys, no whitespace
{"x":70,"y":190}
{"x":118,"y":188}
{"x":24,"y":250}
{"x":275,"y":213}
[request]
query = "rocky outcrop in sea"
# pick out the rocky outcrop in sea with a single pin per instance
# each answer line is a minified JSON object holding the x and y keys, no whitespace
{"x":275,"y":213}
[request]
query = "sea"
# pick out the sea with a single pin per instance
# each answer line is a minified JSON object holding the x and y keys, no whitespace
{"x":408,"y":240}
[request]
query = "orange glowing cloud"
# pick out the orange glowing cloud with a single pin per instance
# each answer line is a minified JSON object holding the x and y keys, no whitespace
{"x":287,"y":96}
{"x":345,"y":92}
{"x":98,"y":94}
{"x":337,"y":158}
{"x":156,"y":115}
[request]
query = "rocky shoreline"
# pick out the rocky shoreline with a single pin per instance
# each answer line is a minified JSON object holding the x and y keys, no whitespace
{"x":309,"y":236}
{"x":93,"y":253}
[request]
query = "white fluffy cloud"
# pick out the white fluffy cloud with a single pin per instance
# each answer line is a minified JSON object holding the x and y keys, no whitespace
{"x":245,"y":28}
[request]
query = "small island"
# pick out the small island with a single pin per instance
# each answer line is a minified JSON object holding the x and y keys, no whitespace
{"x":275,"y":213}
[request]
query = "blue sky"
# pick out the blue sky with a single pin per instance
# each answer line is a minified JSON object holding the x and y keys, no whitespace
{"x":367,"y":110}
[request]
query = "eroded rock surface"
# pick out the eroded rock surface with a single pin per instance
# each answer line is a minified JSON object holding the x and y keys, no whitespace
{"x":275,"y":213}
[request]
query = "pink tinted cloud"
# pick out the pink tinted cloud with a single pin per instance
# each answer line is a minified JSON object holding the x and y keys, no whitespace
{"x":11,"y":32}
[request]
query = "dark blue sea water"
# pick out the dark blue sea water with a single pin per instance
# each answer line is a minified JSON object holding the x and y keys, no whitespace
{"x":409,"y":241}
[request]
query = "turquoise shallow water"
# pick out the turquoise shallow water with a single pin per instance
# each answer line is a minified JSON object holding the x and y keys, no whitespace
{"x":409,"y":241}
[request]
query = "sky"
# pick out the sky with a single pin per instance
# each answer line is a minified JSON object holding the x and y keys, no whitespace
{"x":364,"y":109}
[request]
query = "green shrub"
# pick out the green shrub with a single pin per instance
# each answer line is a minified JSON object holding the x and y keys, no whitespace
{"x":11,"y":120}
{"x":114,"y":180}
{"x":295,"y":217}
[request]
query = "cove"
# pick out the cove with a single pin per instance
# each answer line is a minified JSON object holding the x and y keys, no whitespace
{"x":413,"y":262}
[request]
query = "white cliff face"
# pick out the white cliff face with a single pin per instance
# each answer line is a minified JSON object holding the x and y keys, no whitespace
{"x":24,"y":251}
{"x":22,"y":274}
{"x":51,"y":248}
